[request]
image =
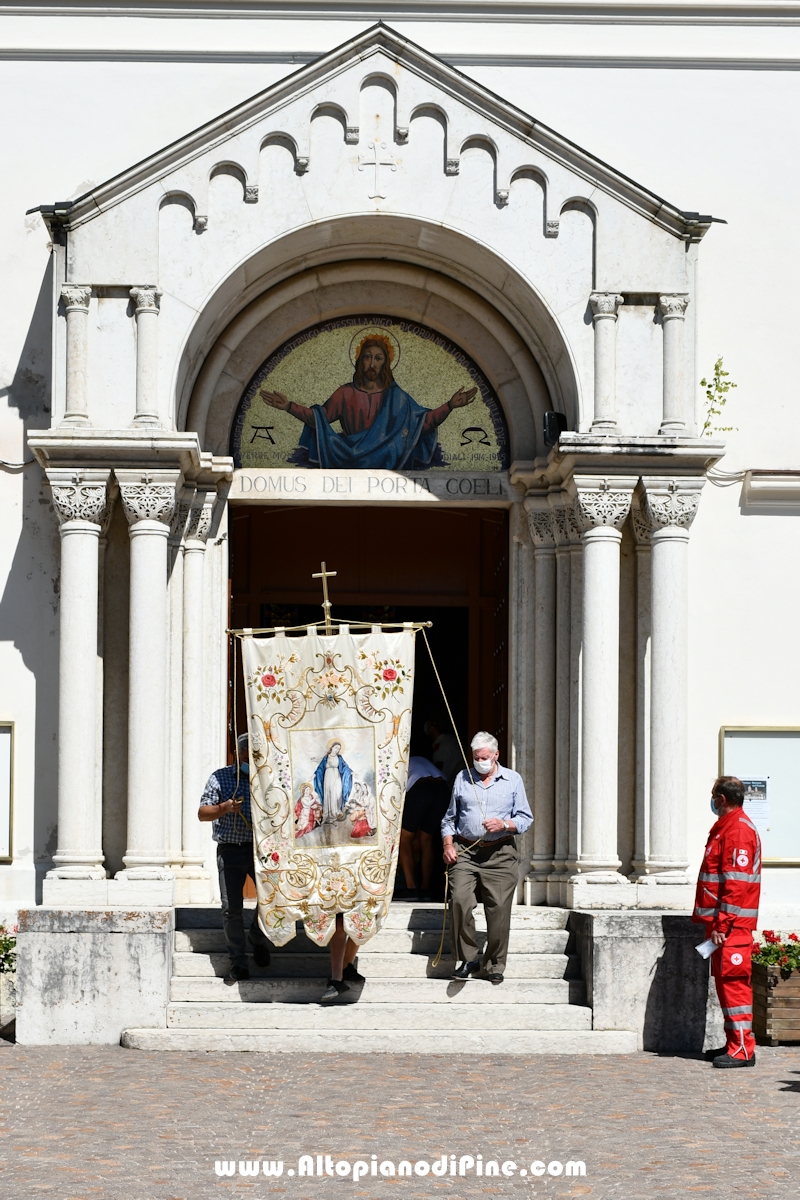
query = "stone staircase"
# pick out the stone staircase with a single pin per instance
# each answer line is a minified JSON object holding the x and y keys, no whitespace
{"x":406,"y":1005}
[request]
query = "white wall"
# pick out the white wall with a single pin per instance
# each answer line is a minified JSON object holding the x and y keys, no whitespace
{"x":721,"y":141}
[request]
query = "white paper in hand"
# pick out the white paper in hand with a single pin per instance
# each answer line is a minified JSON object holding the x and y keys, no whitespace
{"x":706,"y":948}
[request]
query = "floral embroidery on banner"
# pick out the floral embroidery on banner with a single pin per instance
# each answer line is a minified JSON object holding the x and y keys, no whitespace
{"x":330,"y":721}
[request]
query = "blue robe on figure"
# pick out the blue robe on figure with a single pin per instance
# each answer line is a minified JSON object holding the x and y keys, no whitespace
{"x":345,"y":774}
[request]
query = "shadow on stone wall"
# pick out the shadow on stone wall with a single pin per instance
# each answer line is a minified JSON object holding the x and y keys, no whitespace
{"x":642,"y":973}
{"x":675,"y":1012}
{"x":29,"y":604}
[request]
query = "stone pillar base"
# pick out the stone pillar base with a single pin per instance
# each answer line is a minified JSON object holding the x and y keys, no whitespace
{"x":136,"y":891}
{"x":604,"y":891}
{"x":66,"y":892}
{"x":665,"y":891}
{"x":194,"y":888}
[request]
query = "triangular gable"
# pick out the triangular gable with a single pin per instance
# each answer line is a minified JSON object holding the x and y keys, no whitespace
{"x":448,"y":81}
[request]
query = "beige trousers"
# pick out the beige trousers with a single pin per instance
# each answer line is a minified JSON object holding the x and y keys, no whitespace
{"x":489,"y":874}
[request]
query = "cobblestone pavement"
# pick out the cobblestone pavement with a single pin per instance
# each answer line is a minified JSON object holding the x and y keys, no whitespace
{"x":104,"y":1123}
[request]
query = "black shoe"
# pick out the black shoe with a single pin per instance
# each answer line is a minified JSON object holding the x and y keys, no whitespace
{"x":261,"y":955}
{"x":467,"y":970}
{"x":710,"y":1055}
{"x":351,"y":975}
{"x":335,"y":989}
{"x":493,"y":976}
{"x":425,"y":896}
{"x":236,"y":974}
{"x":725,"y":1061}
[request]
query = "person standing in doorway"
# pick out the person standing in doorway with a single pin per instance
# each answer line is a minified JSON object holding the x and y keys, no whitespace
{"x":427,"y":797}
{"x":488,"y":808}
{"x":445,"y":750}
{"x":226,"y":802}
{"x":727,"y":899}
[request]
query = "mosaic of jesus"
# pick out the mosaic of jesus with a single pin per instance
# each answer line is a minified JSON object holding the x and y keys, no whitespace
{"x":376,"y":394}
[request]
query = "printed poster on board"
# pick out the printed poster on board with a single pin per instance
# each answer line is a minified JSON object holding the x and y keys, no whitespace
{"x":329,"y":718}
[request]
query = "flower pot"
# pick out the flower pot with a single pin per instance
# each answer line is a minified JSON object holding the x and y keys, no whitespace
{"x":776,"y":1005}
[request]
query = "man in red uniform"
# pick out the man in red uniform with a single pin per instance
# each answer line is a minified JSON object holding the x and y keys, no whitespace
{"x":728,"y":892}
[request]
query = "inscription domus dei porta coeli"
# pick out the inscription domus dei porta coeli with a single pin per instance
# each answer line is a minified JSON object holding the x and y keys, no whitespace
{"x":370,"y":393}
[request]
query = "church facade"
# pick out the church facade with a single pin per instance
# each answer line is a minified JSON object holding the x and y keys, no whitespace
{"x":545,"y":322}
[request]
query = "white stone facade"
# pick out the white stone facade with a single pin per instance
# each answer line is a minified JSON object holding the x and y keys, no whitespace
{"x":379,"y":177}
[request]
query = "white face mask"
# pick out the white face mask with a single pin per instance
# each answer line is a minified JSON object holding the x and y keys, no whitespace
{"x":483,"y":765}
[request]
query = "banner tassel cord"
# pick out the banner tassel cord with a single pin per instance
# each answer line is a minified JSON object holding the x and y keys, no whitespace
{"x":438,"y":957}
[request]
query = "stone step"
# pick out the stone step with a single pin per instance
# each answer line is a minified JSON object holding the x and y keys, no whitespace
{"x":382,"y":991}
{"x":388,"y":941}
{"x":402,"y":915}
{"x":374,"y":966}
{"x":391,"y":1041}
{"x":410,"y":1017}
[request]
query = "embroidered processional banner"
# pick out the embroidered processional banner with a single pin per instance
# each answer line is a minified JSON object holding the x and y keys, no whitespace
{"x":329,"y":718}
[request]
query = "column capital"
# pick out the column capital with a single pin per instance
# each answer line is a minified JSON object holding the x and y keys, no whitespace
{"x":79,"y":495}
{"x":148,"y":495}
{"x":601,"y":501}
{"x":146,"y":298}
{"x":605,"y":305}
{"x":641,"y":526}
{"x":540,"y":522}
{"x":201,"y":510}
{"x":673,"y":304}
{"x":76,"y":296}
{"x":565,"y":524}
{"x":670,"y":503}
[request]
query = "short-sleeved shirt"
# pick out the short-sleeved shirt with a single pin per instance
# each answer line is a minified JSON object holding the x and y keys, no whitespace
{"x":221,"y":786}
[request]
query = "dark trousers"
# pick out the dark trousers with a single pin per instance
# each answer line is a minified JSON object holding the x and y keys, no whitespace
{"x":235,"y":863}
{"x":492,"y":872}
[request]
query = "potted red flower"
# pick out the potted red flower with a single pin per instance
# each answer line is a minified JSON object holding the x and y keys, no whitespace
{"x":776,"y":989}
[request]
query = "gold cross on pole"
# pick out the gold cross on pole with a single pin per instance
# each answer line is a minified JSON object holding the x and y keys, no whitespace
{"x":325,"y":575}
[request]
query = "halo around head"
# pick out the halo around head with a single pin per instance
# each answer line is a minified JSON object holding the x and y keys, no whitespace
{"x":335,"y":742}
{"x":378,"y":331}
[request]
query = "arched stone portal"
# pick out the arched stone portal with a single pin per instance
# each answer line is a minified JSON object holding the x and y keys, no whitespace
{"x":437,"y":276}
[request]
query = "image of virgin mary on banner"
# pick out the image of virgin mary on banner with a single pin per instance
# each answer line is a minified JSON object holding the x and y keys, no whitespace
{"x":329,"y":717}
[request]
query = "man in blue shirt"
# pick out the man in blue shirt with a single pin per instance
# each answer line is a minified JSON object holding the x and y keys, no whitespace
{"x":228,"y":806}
{"x":488,"y":808}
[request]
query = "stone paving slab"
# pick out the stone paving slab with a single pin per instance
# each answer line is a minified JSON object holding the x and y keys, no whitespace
{"x":103,"y":1123}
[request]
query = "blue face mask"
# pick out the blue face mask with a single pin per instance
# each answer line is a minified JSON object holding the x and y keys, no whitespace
{"x":244,"y":768}
{"x":714,"y":807}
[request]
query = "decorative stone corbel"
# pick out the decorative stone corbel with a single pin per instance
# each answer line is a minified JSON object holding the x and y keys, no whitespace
{"x":251,"y":195}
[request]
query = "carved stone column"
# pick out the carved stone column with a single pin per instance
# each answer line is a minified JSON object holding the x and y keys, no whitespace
{"x":193,"y":878}
{"x":175,"y":678}
{"x":566,"y":531}
{"x":148,"y":498}
{"x":540,"y":523}
{"x":102,"y":545}
{"x":605,"y":308}
{"x":669,"y":507}
{"x":641,"y":533}
{"x":76,"y":297}
{"x":601,"y":506}
{"x":80,"y":498}
{"x":146,"y":308}
{"x":673,"y":311}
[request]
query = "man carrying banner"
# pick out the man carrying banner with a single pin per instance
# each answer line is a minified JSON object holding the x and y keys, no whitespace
{"x":488,"y":808}
{"x":728,"y":894}
{"x":228,"y":806}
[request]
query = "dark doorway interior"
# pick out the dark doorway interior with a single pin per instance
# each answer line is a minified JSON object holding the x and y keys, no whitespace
{"x":393,"y":564}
